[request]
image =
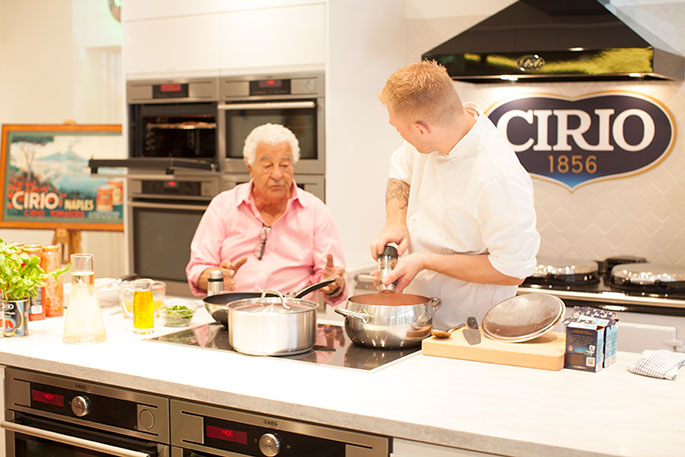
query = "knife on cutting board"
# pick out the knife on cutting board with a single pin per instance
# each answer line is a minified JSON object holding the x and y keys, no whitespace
{"x":472,"y":332}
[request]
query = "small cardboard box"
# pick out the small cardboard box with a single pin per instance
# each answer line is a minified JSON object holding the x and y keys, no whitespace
{"x":584,"y":345}
{"x":591,"y":339}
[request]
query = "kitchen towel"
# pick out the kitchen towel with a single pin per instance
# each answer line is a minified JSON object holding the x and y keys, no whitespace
{"x":658,"y":364}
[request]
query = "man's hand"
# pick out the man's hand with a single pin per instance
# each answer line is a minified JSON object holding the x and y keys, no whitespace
{"x":229,"y":269}
{"x":331,"y":271}
{"x":406,"y":270}
{"x":397,"y":233}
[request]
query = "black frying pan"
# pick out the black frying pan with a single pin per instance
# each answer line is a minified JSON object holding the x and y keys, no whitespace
{"x":216,"y":304}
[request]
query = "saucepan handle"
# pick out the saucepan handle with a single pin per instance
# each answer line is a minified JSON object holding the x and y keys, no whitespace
{"x":312,"y":287}
{"x":435,"y":304}
{"x":364,"y":317}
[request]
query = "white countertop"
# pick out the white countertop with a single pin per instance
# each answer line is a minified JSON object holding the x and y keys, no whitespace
{"x":470,"y":405}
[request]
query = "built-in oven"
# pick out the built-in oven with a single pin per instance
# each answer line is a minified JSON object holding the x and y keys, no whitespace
{"x":47,"y":415}
{"x":163,"y":214}
{"x":294,"y":100}
{"x":200,"y":430}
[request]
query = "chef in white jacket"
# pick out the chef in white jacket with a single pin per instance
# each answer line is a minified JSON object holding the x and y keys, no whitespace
{"x":457,"y":199}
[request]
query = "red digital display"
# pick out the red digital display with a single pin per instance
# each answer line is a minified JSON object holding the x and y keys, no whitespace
{"x":271,"y":83}
{"x":219,"y":433}
{"x":170,"y":87}
{"x":46,"y":397}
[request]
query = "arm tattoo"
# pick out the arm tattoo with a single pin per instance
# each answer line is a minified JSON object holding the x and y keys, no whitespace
{"x":397,"y":192}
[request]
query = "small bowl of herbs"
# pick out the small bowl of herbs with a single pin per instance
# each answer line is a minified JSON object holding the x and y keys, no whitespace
{"x":177,"y":313}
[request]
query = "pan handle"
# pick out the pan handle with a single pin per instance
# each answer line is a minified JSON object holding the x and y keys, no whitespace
{"x":312,"y":287}
{"x":435,"y":304}
{"x":364,"y":317}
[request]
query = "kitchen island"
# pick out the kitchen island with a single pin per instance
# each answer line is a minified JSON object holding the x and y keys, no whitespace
{"x":450,"y":405}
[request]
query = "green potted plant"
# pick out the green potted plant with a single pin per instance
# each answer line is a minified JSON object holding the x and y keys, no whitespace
{"x":20,"y":277}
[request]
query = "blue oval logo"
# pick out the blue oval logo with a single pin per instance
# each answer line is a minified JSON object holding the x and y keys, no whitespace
{"x":591,"y":138}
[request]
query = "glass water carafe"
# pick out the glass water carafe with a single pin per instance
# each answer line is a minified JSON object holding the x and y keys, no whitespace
{"x":83,"y":323}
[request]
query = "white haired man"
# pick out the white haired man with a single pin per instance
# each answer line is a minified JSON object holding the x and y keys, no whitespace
{"x":268,"y":233}
{"x":457,"y":199}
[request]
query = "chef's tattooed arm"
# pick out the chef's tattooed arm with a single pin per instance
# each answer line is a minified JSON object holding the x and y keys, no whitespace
{"x":395,"y":230}
{"x":397,"y":194}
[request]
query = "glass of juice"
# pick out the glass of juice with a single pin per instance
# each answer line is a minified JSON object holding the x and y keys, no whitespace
{"x":140,"y":294}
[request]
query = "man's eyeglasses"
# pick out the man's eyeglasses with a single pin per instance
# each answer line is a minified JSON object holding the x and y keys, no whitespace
{"x":259,"y":248}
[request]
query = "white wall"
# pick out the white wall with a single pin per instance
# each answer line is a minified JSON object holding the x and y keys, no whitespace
{"x":50,"y":72}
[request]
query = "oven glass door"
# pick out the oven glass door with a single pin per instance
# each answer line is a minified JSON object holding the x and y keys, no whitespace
{"x":161,"y":235}
{"x":184,"y":130}
{"x":301,"y":117}
{"x":57,"y":439}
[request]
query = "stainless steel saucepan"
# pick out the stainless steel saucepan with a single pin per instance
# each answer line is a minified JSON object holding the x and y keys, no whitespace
{"x":272,"y":325}
{"x":388,"y":320}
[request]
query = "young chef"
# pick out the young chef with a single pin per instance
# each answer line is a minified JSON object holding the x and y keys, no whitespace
{"x":457,"y":199}
{"x":268,"y":233}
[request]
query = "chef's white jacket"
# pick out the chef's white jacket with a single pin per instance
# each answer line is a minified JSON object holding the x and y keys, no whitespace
{"x":477,"y":199}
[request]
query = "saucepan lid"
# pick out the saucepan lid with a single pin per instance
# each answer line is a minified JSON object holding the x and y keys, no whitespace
{"x":523,"y":317}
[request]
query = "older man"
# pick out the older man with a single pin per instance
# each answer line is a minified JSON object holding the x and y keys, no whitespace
{"x":268,"y":233}
{"x":457,"y":199}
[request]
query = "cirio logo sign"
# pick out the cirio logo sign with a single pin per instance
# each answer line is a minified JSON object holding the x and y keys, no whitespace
{"x":575,"y":142}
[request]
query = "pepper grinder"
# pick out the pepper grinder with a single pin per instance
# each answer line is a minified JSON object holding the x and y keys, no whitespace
{"x":386,"y":262}
{"x":215,"y":282}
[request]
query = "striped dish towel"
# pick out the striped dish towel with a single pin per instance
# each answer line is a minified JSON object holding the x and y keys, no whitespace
{"x":658,"y":364}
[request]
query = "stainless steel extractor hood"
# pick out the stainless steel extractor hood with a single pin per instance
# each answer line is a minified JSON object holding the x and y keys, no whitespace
{"x":554,"y":40}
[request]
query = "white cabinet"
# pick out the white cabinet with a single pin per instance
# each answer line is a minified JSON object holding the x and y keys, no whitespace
{"x":187,"y":44}
{"x":275,"y":37}
{"x":405,"y":448}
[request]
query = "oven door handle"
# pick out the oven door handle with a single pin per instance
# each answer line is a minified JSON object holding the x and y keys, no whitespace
{"x":72,"y":440}
{"x":266,"y":105}
{"x":167,"y":206}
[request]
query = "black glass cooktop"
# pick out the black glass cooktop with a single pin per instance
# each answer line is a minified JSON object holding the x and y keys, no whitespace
{"x":332,"y":346}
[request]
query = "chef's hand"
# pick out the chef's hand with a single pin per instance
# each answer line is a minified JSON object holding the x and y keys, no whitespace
{"x":397,"y":233}
{"x":229,"y":269}
{"x":331,"y":271}
{"x":405,"y":271}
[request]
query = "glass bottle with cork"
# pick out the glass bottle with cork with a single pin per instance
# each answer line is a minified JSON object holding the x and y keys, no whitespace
{"x":36,"y":310}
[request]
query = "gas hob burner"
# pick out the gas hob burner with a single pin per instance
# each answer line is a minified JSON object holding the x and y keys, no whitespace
{"x":564,"y":273}
{"x":648,"y":278}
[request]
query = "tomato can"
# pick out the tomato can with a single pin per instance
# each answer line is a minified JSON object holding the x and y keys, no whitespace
{"x":15,"y":318}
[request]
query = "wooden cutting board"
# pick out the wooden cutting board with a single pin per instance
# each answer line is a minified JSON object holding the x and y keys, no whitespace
{"x":545,"y":352}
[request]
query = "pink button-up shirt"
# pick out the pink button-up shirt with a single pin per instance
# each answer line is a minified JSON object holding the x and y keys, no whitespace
{"x":296,"y":246}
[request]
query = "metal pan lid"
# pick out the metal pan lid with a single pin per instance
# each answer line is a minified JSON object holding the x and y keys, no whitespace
{"x":648,"y":273}
{"x":523,"y":317}
{"x":273,"y":305}
{"x":564,"y":267}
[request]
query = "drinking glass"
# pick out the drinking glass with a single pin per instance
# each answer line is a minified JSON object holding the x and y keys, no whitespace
{"x":143,"y":305}
{"x":158,"y":294}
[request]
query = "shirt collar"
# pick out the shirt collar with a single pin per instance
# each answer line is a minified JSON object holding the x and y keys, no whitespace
{"x":463,"y":147}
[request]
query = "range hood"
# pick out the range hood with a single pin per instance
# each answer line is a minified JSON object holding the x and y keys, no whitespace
{"x":554,"y":40}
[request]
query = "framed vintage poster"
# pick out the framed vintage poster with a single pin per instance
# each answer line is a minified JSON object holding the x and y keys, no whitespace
{"x":45,"y":180}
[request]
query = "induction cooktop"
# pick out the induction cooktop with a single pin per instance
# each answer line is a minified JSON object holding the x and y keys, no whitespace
{"x":332,"y":346}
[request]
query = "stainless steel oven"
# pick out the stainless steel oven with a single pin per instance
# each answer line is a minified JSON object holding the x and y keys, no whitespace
{"x":200,"y":430}
{"x":47,"y":415}
{"x":294,"y":100}
{"x":163,"y":213}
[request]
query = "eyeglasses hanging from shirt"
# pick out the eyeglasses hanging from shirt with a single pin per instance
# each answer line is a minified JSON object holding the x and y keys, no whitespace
{"x":261,"y":246}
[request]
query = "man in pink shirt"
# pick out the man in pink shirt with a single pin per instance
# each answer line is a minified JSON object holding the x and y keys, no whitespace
{"x":268,"y":233}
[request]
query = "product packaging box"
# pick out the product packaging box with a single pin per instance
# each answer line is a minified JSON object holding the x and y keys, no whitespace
{"x":591,"y":339}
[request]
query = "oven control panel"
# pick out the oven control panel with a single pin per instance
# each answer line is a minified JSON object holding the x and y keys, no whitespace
{"x":109,"y":408}
{"x":207,"y":428}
